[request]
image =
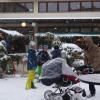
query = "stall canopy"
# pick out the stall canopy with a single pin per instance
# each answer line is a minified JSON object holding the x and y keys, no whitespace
{"x":11,"y":32}
{"x":71,"y":34}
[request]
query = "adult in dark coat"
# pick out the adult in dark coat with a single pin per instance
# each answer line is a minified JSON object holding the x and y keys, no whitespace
{"x":92,"y":58}
{"x":43,"y":55}
{"x":56,"y":52}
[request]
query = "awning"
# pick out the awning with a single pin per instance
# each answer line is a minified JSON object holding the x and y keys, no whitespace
{"x":11,"y":32}
{"x":69,"y":34}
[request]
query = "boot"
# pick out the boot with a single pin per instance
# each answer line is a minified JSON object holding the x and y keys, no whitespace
{"x":32,"y":85}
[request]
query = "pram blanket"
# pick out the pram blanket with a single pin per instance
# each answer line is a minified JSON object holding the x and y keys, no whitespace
{"x":57,"y":71}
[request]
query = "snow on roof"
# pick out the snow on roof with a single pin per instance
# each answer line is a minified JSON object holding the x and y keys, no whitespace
{"x":11,"y":32}
{"x":1,"y":44}
{"x":67,"y":34}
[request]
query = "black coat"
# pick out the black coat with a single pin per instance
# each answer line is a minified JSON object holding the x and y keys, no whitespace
{"x":42,"y":57}
{"x":56,"y":53}
{"x":85,"y":69}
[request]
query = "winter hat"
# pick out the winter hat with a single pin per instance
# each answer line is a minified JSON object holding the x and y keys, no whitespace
{"x":31,"y":44}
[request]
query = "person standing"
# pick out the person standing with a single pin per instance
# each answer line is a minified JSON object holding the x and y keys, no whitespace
{"x":31,"y":65}
{"x":91,"y":85}
{"x":56,"y":52}
{"x":92,"y":57}
{"x":87,"y":69}
{"x":42,"y":57}
{"x":40,"y":48}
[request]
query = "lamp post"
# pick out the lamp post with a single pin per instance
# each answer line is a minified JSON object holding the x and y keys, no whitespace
{"x":23,"y":25}
{"x":34,"y":25}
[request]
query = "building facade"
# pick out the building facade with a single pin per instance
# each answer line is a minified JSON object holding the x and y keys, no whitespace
{"x":58,"y":16}
{"x":50,"y":9}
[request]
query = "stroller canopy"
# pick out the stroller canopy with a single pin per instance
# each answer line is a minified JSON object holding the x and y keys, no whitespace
{"x":56,"y":67}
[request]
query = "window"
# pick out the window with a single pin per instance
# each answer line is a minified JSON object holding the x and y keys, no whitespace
{"x":66,"y":30}
{"x":67,"y":6}
{"x":86,"y":6}
{"x":63,"y":6}
{"x":8,"y":8}
{"x":73,"y":30}
{"x":52,"y":7}
{"x":85,"y":29}
{"x":19,"y":7}
{"x":62,"y":29}
{"x":96,"y":5}
{"x":1,"y":7}
{"x":16,"y":7}
{"x":23,"y":7}
{"x":96,"y":29}
{"x":29,"y":7}
{"x":42,"y":7}
{"x":74,"y":6}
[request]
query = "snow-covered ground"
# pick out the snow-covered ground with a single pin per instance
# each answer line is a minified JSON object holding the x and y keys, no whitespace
{"x":14,"y":89}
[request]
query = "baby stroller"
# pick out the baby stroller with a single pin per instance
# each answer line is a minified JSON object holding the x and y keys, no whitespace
{"x":58,"y":72}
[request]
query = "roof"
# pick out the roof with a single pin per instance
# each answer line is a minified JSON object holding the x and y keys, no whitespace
{"x":11,"y":32}
{"x":67,"y":34}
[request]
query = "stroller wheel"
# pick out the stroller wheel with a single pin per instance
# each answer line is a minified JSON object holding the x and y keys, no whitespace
{"x":48,"y":95}
{"x":58,"y":97}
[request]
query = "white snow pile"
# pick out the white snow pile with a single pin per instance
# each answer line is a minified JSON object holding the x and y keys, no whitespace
{"x":14,"y":89}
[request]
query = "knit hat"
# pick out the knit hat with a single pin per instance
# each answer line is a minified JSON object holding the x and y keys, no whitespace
{"x":32,"y":43}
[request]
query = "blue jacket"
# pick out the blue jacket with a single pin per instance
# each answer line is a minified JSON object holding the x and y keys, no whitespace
{"x":32,"y":59}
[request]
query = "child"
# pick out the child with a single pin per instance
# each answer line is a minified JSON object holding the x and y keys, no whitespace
{"x":42,"y":57}
{"x":31,"y":65}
